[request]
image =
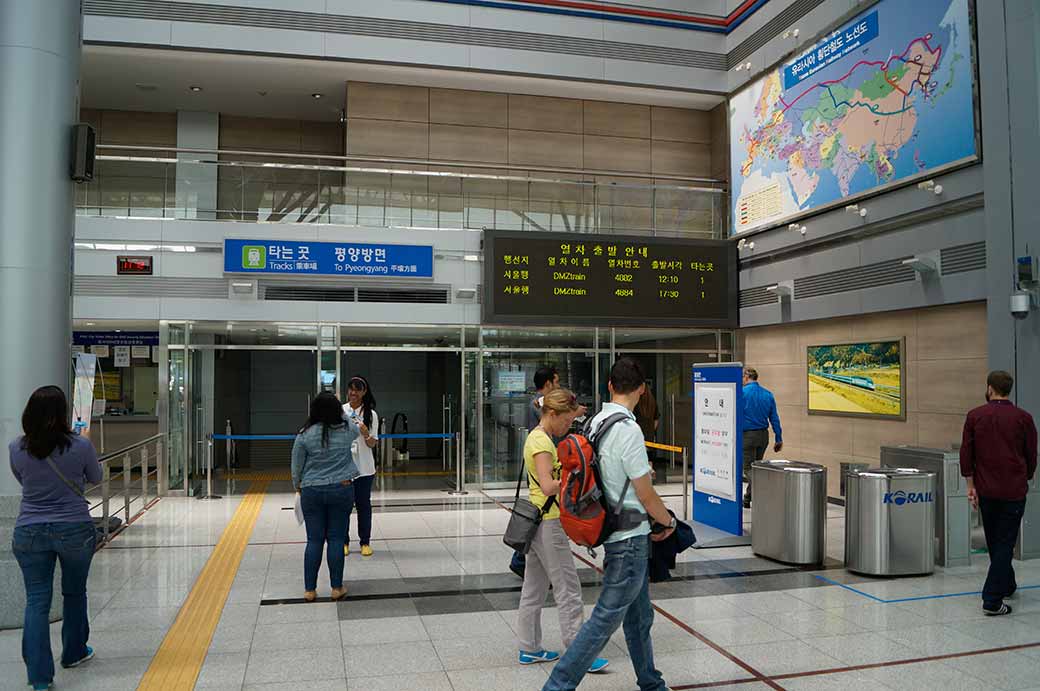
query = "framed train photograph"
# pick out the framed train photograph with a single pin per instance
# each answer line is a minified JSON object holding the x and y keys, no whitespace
{"x":858,"y":379}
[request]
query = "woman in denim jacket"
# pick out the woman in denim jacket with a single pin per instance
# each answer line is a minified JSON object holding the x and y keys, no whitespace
{"x":323,"y":472}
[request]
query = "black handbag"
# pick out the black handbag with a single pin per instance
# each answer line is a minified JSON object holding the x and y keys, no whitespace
{"x":525,"y":519}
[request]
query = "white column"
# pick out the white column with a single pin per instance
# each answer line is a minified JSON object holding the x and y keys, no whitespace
{"x":197,"y":182}
{"x":39,"y":102}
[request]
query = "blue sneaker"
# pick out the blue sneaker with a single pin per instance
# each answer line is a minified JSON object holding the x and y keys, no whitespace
{"x":598,"y":665}
{"x":41,"y":687}
{"x":538,"y":657}
{"x":89,"y":656}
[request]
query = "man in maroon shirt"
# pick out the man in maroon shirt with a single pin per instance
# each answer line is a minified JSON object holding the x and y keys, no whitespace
{"x":998,"y":458}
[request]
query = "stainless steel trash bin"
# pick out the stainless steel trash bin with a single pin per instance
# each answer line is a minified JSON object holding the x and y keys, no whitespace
{"x":890,"y":521}
{"x":952,"y":510}
{"x":789,"y":513}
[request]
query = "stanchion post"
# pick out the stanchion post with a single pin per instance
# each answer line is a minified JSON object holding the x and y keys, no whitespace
{"x":671,"y":426}
{"x":144,"y":476}
{"x":161,"y":479}
{"x":227,"y":447}
{"x":459,"y":489}
{"x":209,"y":470}
{"x":106,"y":491}
{"x":685,"y":484}
{"x":127,"y":463}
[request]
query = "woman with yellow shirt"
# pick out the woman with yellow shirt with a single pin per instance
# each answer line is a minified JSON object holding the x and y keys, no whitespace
{"x":550,"y":560}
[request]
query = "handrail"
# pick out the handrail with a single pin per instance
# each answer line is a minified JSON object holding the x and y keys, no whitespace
{"x":134,"y":456}
{"x":109,"y":456}
{"x":421,"y":173}
{"x":408,"y":161}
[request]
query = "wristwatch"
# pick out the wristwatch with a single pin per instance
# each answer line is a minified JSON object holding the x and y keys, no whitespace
{"x":656,"y":527}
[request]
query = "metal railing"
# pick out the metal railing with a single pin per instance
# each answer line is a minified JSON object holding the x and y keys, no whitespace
{"x":171,"y":183}
{"x":144,"y":455}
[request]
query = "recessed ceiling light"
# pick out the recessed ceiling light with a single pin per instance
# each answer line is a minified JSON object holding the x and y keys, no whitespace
{"x":316,"y":95}
{"x":196,"y":89}
{"x":119,"y":331}
{"x":90,"y":323}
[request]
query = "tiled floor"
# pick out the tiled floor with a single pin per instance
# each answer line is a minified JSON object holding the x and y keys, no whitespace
{"x":435,"y":609}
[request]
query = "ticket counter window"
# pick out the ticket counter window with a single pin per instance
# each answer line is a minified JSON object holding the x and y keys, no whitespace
{"x":127,"y":382}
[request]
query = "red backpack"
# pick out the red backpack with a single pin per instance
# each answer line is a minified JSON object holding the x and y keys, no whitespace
{"x":585,"y":514}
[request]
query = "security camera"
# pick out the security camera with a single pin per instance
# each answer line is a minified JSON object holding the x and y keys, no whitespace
{"x":1021,"y":302}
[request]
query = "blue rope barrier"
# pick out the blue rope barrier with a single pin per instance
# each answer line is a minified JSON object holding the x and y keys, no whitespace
{"x":290,"y":437}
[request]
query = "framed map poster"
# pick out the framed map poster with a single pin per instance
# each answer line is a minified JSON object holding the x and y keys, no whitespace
{"x":884,"y":99}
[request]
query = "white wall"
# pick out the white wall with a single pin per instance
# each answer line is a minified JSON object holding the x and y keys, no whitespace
{"x":122,"y":302}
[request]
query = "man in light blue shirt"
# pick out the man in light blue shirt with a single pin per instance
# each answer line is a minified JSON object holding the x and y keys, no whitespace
{"x":625,"y":598}
{"x":759,"y":414}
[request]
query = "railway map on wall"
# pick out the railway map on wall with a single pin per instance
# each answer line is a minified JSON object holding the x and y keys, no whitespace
{"x":857,"y":379}
{"x":886,"y":97}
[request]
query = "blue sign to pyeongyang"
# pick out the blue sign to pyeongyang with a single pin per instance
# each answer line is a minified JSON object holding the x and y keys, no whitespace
{"x":831,"y":49}
{"x":327,"y":258}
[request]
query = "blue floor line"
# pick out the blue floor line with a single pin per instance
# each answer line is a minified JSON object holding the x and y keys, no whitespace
{"x":846,"y":587}
{"x":911,"y":599}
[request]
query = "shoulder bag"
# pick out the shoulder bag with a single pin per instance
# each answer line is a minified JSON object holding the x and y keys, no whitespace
{"x":525,"y":519}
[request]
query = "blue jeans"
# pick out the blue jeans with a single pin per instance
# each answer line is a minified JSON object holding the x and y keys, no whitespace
{"x":625,"y":599}
{"x":36,"y":547}
{"x":326,"y":512}
{"x":363,"y":501}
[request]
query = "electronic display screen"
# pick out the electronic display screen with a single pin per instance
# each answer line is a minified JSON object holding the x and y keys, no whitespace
{"x":133,"y":266}
{"x":608,"y":280}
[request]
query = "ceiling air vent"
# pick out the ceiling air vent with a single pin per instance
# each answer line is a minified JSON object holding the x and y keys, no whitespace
{"x":311,"y":294}
{"x":756,"y":297}
{"x":855,"y":278}
{"x":426,"y":297}
{"x":962,"y":258}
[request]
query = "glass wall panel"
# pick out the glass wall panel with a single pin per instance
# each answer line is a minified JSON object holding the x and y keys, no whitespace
{"x":177,"y":407}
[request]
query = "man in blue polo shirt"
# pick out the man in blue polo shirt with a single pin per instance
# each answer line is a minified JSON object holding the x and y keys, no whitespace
{"x":759,"y":413}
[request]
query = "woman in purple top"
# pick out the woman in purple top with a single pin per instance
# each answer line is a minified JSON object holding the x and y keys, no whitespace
{"x":53,"y":466}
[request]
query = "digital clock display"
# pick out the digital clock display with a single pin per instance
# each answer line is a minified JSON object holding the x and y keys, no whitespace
{"x":133,"y":266}
{"x":608,"y":280}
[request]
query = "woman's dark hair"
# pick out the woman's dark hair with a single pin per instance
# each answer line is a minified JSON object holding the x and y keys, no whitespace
{"x":45,"y":422}
{"x":327,"y":411}
{"x":368,"y":401}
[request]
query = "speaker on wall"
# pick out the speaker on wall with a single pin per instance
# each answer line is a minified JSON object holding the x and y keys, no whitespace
{"x":83,"y":141}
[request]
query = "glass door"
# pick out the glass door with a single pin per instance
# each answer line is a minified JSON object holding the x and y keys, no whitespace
{"x":508,"y":390}
{"x":178,"y":419}
{"x":197,"y":424}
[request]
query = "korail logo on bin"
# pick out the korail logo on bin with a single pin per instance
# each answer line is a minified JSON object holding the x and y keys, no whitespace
{"x":900,"y":498}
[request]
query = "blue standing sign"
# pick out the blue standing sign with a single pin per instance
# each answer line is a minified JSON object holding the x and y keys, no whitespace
{"x":293,"y":257}
{"x":718,"y":411}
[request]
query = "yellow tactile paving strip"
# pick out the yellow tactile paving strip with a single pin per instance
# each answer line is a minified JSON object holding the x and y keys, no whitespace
{"x":180,"y":657}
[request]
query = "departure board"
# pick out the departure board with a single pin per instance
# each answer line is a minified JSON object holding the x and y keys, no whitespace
{"x":608,"y":280}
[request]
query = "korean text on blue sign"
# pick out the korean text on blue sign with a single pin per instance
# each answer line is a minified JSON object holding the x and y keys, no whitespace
{"x":831,"y":49}
{"x":327,"y":258}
